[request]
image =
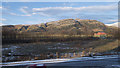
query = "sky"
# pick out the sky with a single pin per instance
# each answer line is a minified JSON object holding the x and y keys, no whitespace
{"x":60,"y":0}
{"x":14,"y":13}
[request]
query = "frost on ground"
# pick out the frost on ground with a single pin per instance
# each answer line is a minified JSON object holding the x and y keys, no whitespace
{"x":57,"y":60}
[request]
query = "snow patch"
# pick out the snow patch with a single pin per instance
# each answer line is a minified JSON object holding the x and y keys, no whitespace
{"x":113,"y":24}
{"x":56,"y":60}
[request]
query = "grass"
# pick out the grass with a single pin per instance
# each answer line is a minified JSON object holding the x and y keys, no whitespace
{"x":41,"y":48}
{"x":107,"y":47}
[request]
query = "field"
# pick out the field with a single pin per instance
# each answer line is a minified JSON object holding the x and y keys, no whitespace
{"x":46,"y":50}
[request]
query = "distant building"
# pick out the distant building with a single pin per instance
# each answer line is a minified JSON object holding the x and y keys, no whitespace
{"x":100,"y":34}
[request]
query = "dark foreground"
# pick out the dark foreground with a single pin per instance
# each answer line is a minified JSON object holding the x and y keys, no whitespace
{"x":101,"y":63}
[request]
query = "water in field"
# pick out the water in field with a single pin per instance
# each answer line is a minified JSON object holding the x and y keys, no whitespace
{"x":48,"y":50}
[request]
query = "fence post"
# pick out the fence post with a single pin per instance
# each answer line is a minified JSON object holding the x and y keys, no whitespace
{"x":74,"y":54}
{"x":57,"y":55}
{"x":83,"y":53}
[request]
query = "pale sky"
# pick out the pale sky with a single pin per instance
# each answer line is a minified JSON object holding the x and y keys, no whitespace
{"x":14,"y":13}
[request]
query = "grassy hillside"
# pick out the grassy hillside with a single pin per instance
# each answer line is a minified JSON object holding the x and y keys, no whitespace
{"x":65,"y":26}
{"x":62,"y":30}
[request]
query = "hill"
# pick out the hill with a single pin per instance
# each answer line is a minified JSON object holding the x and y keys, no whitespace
{"x":65,"y":29}
{"x":65,"y":26}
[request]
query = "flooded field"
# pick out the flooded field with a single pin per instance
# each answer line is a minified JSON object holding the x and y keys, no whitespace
{"x":48,"y":50}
